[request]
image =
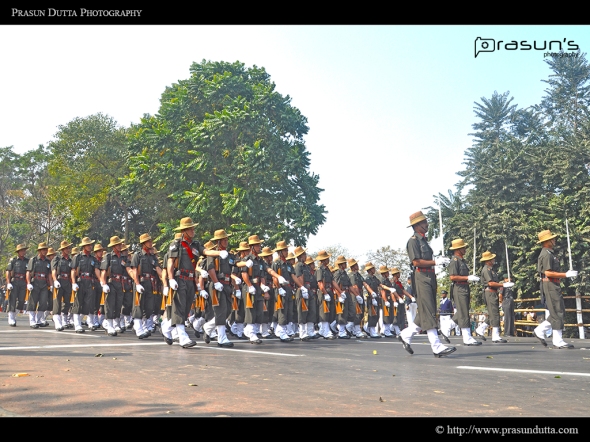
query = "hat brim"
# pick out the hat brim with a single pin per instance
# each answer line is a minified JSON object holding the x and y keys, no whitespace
{"x":42,"y":248}
{"x":185,"y":227}
{"x":282,"y":248}
{"x":112,"y":244}
{"x":65,"y":247}
{"x":323,"y":258}
{"x":417,"y":220}
{"x":299,"y":254}
{"x":547,"y":239}
{"x":87,"y":244}
{"x":461,"y":247}
{"x":488,"y":259}
{"x":21,"y":248}
{"x":227,"y":235}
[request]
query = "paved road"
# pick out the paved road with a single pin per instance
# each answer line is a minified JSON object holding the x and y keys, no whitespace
{"x":318,"y":378}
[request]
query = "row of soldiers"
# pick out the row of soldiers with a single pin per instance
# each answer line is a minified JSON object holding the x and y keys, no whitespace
{"x":246,"y":292}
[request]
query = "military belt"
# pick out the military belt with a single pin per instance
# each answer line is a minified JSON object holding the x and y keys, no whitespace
{"x":40,"y":275}
{"x":461,"y":282}
{"x":19,"y":276}
{"x":425,"y":269}
{"x":551,"y":279}
{"x":64,"y":276}
{"x":491,"y":289}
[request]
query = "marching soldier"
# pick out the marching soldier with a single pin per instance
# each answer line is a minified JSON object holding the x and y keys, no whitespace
{"x":489,"y":279}
{"x":50,"y":255}
{"x":372,"y":285}
{"x":85,"y":270}
{"x":145,"y":267}
{"x":507,"y":299}
{"x":344,"y":304}
{"x":548,"y":268}
{"x":358,"y":309}
{"x":312,"y":314}
{"x":39,"y":280}
{"x":127,"y":305}
{"x":221,"y":288}
{"x":284,"y":288}
{"x":305,"y":303}
{"x":16,"y":285}
{"x":399,"y":306}
{"x":460,"y":291}
{"x":236,"y":321}
{"x":388,"y":297}
{"x":112,"y":270}
{"x":424,"y":284}
{"x":93,"y":318}
{"x":269,"y":312}
{"x":326,"y":308}
{"x":62,"y":283}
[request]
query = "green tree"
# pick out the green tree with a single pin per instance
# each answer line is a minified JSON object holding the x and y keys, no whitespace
{"x":228,"y":150}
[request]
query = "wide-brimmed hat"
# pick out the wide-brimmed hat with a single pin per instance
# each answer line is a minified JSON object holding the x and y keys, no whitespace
{"x":86,"y":241}
{"x":253,"y":239}
{"x":281,"y":245}
{"x":266,"y":251}
{"x":351,"y":262}
{"x":340,"y":260}
{"x":290,"y":256}
{"x":42,"y":245}
{"x":299,"y":251}
{"x":546,"y":235}
{"x":415,"y":218}
{"x":177,"y":235}
{"x":486,"y":256}
{"x":144,"y":238}
{"x":243,"y":247}
{"x":457,"y":244}
{"x":21,"y":247}
{"x":383,"y":269}
{"x":114,"y":241}
{"x":64,"y":245}
{"x":186,"y":223}
{"x":98,"y":247}
{"x":75,"y":251}
{"x":125,"y":247}
{"x":394,"y":270}
{"x":209,"y":245}
{"x":51,"y":252}
{"x":369,"y":266}
{"x":309,"y":260}
{"x":322,"y":255}
{"x":220,"y":234}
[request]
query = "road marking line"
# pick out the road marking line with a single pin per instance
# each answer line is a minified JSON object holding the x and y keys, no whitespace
{"x":36,"y":347}
{"x":54,"y":331}
{"x":516,"y":370}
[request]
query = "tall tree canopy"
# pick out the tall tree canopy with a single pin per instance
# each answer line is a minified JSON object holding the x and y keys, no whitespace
{"x":228,"y":150}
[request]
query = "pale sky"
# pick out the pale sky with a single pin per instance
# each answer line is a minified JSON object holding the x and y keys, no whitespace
{"x":389,"y":107}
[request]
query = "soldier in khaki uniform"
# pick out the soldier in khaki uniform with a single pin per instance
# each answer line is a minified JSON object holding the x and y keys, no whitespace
{"x":313,"y":315}
{"x":95,"y":318}
{"x":358,"y":310}
{"x":85,"y":270}
{"x":302,"y":296}
{"x":113,"y":268}
{"x":16,"y":284}
{"x":388,"y":298}
{"x":548,"y":268}
{"x":326,"y":308}
{"x":50,"y":255}
{"x":489,"y":279}
{"x":269,"y":311}
{"x":62,"y":282}
{"x":39,"y":280}
{"x":460,"y":291}
{"x":344,"y":304}
{"x":372,"y":285}
{"x":424,"y":284}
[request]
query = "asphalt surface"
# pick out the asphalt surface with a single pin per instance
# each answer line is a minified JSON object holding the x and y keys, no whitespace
{"x":92,"y":374}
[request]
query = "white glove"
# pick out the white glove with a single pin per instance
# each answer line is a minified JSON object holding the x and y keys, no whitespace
{"x":571,"y":274}
{"x":204,"y":294}
{"x":342,"y":297}
{"x":106,"y":288}
{"x":173,"y":284}
{"x":204,"y":274}
{"x":413,"y":299}
{"x":9,"y":286}
{"x":473,"y":278}
{"x":249,"y":263}
{"x":218,"y":286}
{"x":30,"y":287}
{"x":395,"y":304}
{"x":56,"y":284}
{"x":442,"y":261}
{"x":508,"y":284}
{"x":238,"y":281}
{"x":198,"y":287}
{"x":327,"y":298}
{"x":387,"y":304}
{"x":75,"y":287}
{"x":165,"y":291}
{"x":374,"y":295}
{"x":282,"y":280}
{"x":223,"y":254}
{"x":359,"y":300}
{"x":252,"y":290}
{"x":264,"y":288}
{"x":239,"y":294}
{"x":282,"y":292}
{"x":304,"y":293}
{"x":374,"y":302}
{"x":139,"y":289}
